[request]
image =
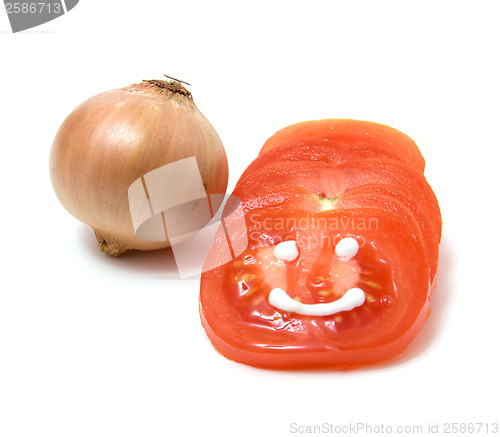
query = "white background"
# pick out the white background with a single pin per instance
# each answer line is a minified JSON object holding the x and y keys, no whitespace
{"x":95,"y":346}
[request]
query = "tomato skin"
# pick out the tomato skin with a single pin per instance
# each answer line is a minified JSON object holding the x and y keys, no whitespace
{"x":348,"y":130}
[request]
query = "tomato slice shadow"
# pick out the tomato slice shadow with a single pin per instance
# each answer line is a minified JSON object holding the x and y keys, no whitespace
{"x":440,"y":299}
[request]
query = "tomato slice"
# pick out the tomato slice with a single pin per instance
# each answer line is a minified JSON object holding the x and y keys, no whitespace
{"x":360,"y":228}
{"x":373,"y":195}
{"x":319,"y":150}
{"x":390,"y":267}
{"x":331,"y":181}
{"x":389,"y":198}
{"x":347,"y":130}
{"x":277,"y":183}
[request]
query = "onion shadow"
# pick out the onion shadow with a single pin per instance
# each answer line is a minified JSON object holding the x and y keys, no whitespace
{"x":158,"y":264}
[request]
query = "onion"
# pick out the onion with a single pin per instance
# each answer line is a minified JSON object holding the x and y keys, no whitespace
{"x":116,"y":137}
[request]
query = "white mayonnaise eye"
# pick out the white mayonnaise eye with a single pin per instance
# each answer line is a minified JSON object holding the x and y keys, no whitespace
{"x":347,"y":248}
{"x":286,"y":251}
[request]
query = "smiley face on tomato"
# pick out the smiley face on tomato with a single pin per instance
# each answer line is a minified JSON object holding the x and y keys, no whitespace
{"x":339,"y":264}
{"x":354,"y":297}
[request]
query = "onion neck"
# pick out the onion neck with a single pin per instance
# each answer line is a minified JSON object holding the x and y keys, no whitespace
{"x":172,"y":86}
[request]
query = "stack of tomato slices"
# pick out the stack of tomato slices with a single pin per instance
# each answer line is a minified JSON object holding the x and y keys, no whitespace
{"x":316,"y":185}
